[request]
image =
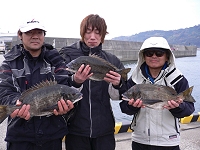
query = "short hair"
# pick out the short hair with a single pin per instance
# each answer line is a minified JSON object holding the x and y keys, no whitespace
{"x":95,"y":21}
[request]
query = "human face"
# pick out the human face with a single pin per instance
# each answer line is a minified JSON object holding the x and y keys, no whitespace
{"x":92,"y":38}
{"x":33,"y":40}
{"x":155,"y":59}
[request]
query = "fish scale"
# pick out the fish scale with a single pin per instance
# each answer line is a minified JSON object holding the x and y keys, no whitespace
{"x":43,"y":99}
{"x":99,"y":67}
{"x":155,"y":96}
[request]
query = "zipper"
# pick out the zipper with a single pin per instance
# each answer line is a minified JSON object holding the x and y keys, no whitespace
{"x":90,"y":108}
{"x":90,"y":105}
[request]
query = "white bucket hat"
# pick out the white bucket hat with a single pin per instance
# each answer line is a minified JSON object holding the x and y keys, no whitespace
{"x":30,"y":25}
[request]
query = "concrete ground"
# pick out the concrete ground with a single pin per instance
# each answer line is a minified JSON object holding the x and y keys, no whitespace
{"x":190,"y":137}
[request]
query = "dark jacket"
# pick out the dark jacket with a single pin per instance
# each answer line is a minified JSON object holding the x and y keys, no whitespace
{"x":93,"y":116}
{"x":20,"y":71}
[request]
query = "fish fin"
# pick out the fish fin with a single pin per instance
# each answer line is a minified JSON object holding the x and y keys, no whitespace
{"x":169,"y":89}
{"x":77,"y":100}
{"x":149,"y":106}
{"x":186,"y":95}
{"x":70,"y":70}
{"x":155,"y":106}
{"x":3,"y":113}
{"x":124,"y":73}
{"x":125,"y":99}
{"x":104,"y":61}
{"x":49,"y":115}
{"x":36,"y":87}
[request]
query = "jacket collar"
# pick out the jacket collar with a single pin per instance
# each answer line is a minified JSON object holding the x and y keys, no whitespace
{"x":19,"y":50}
{"x":87,"y":50}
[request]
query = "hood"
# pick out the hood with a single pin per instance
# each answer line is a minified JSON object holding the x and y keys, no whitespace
{"x":136,"y":76}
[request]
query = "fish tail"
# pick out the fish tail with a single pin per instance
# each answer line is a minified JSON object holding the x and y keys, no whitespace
{"x":3,"y":113}
{"x":124,"y":73}
{"x":186,"y":95}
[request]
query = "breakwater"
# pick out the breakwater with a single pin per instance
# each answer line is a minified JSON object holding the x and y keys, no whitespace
{"x":124,"y":50}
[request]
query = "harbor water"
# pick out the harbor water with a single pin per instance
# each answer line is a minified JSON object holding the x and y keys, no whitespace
{"x":189,"y":66}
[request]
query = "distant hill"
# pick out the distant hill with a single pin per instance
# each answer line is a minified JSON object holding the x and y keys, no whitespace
{"x":187,"y":36}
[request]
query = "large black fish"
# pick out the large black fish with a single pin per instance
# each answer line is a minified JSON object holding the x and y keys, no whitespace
{"x":99,"y":67}
{"x":42,"y":99}
{"x":155,"y":96}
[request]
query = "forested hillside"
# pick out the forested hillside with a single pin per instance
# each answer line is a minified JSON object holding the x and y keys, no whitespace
{"x":187,"y":36}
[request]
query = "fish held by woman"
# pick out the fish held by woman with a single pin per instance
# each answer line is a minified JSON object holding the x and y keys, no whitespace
{"x":42,"y":99}
{"x":99,"y":67}
{"x":155,"y":96}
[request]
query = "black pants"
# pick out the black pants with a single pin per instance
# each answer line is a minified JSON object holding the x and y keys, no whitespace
{"x":74,"y":142}
{"x":138,"y":146}
{"x":51,"y":145}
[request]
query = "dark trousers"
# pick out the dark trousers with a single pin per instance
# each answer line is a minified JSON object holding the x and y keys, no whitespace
{"x":138,"y":146}
{"x":51,"y":145}
{"x":74,"y":142}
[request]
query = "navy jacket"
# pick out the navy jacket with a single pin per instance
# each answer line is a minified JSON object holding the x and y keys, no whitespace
{"x":18,"y":72}
{"x":93,"y":116}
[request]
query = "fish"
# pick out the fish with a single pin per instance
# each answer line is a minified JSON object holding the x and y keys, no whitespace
{"x":155,"y":96}
{"x":99,"y":67}
{"x":42,"y":98}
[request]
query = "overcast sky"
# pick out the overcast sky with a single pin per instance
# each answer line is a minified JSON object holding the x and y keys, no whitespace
{"x":62,"y":18}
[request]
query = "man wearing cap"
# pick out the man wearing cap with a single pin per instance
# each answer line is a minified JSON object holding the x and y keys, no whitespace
{"x":156,"y":129}
{"x":28,"y":64}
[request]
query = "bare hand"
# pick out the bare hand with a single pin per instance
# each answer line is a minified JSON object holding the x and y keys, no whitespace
{"x":138,"y":103}
{"x":82,"y":74}
{"x":173,"y":104}
{"x":63,"y":107}
{"x":113,"y":77}
{"x":23,"y":112}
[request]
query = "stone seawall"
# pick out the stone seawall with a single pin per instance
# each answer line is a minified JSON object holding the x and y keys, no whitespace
{"x":124,"y":50}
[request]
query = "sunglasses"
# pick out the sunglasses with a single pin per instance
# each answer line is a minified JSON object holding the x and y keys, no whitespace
{"x":150,"y":53}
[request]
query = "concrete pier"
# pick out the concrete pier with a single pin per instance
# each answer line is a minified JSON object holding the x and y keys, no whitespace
{"x":124,"y":50}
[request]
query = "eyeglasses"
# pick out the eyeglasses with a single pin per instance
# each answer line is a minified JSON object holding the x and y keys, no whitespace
{"x":150,"y":53}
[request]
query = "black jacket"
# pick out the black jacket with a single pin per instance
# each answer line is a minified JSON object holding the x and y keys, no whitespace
{"x":93,"y":116}
{"x":20,"y":71}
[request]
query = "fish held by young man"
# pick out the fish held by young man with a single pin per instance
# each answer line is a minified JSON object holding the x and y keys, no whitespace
{"x":155,"y":96}
{"x":99,"y":67}
{"x":43,"y":99}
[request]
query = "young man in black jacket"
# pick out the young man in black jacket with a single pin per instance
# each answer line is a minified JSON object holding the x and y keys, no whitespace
{"x":28,"y":64}
{"x":92,"y":125}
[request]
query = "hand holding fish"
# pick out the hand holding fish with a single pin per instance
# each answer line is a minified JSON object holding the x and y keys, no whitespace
{"x":138,"y":103}
{"x":23,"y":112}
{"x":82,"y":74}
{"x":63,"y":107}
{"x":158,"y":96}
{"x":173,"y":104}
{"x":113,"y":77}
{"x":99,"y":67}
